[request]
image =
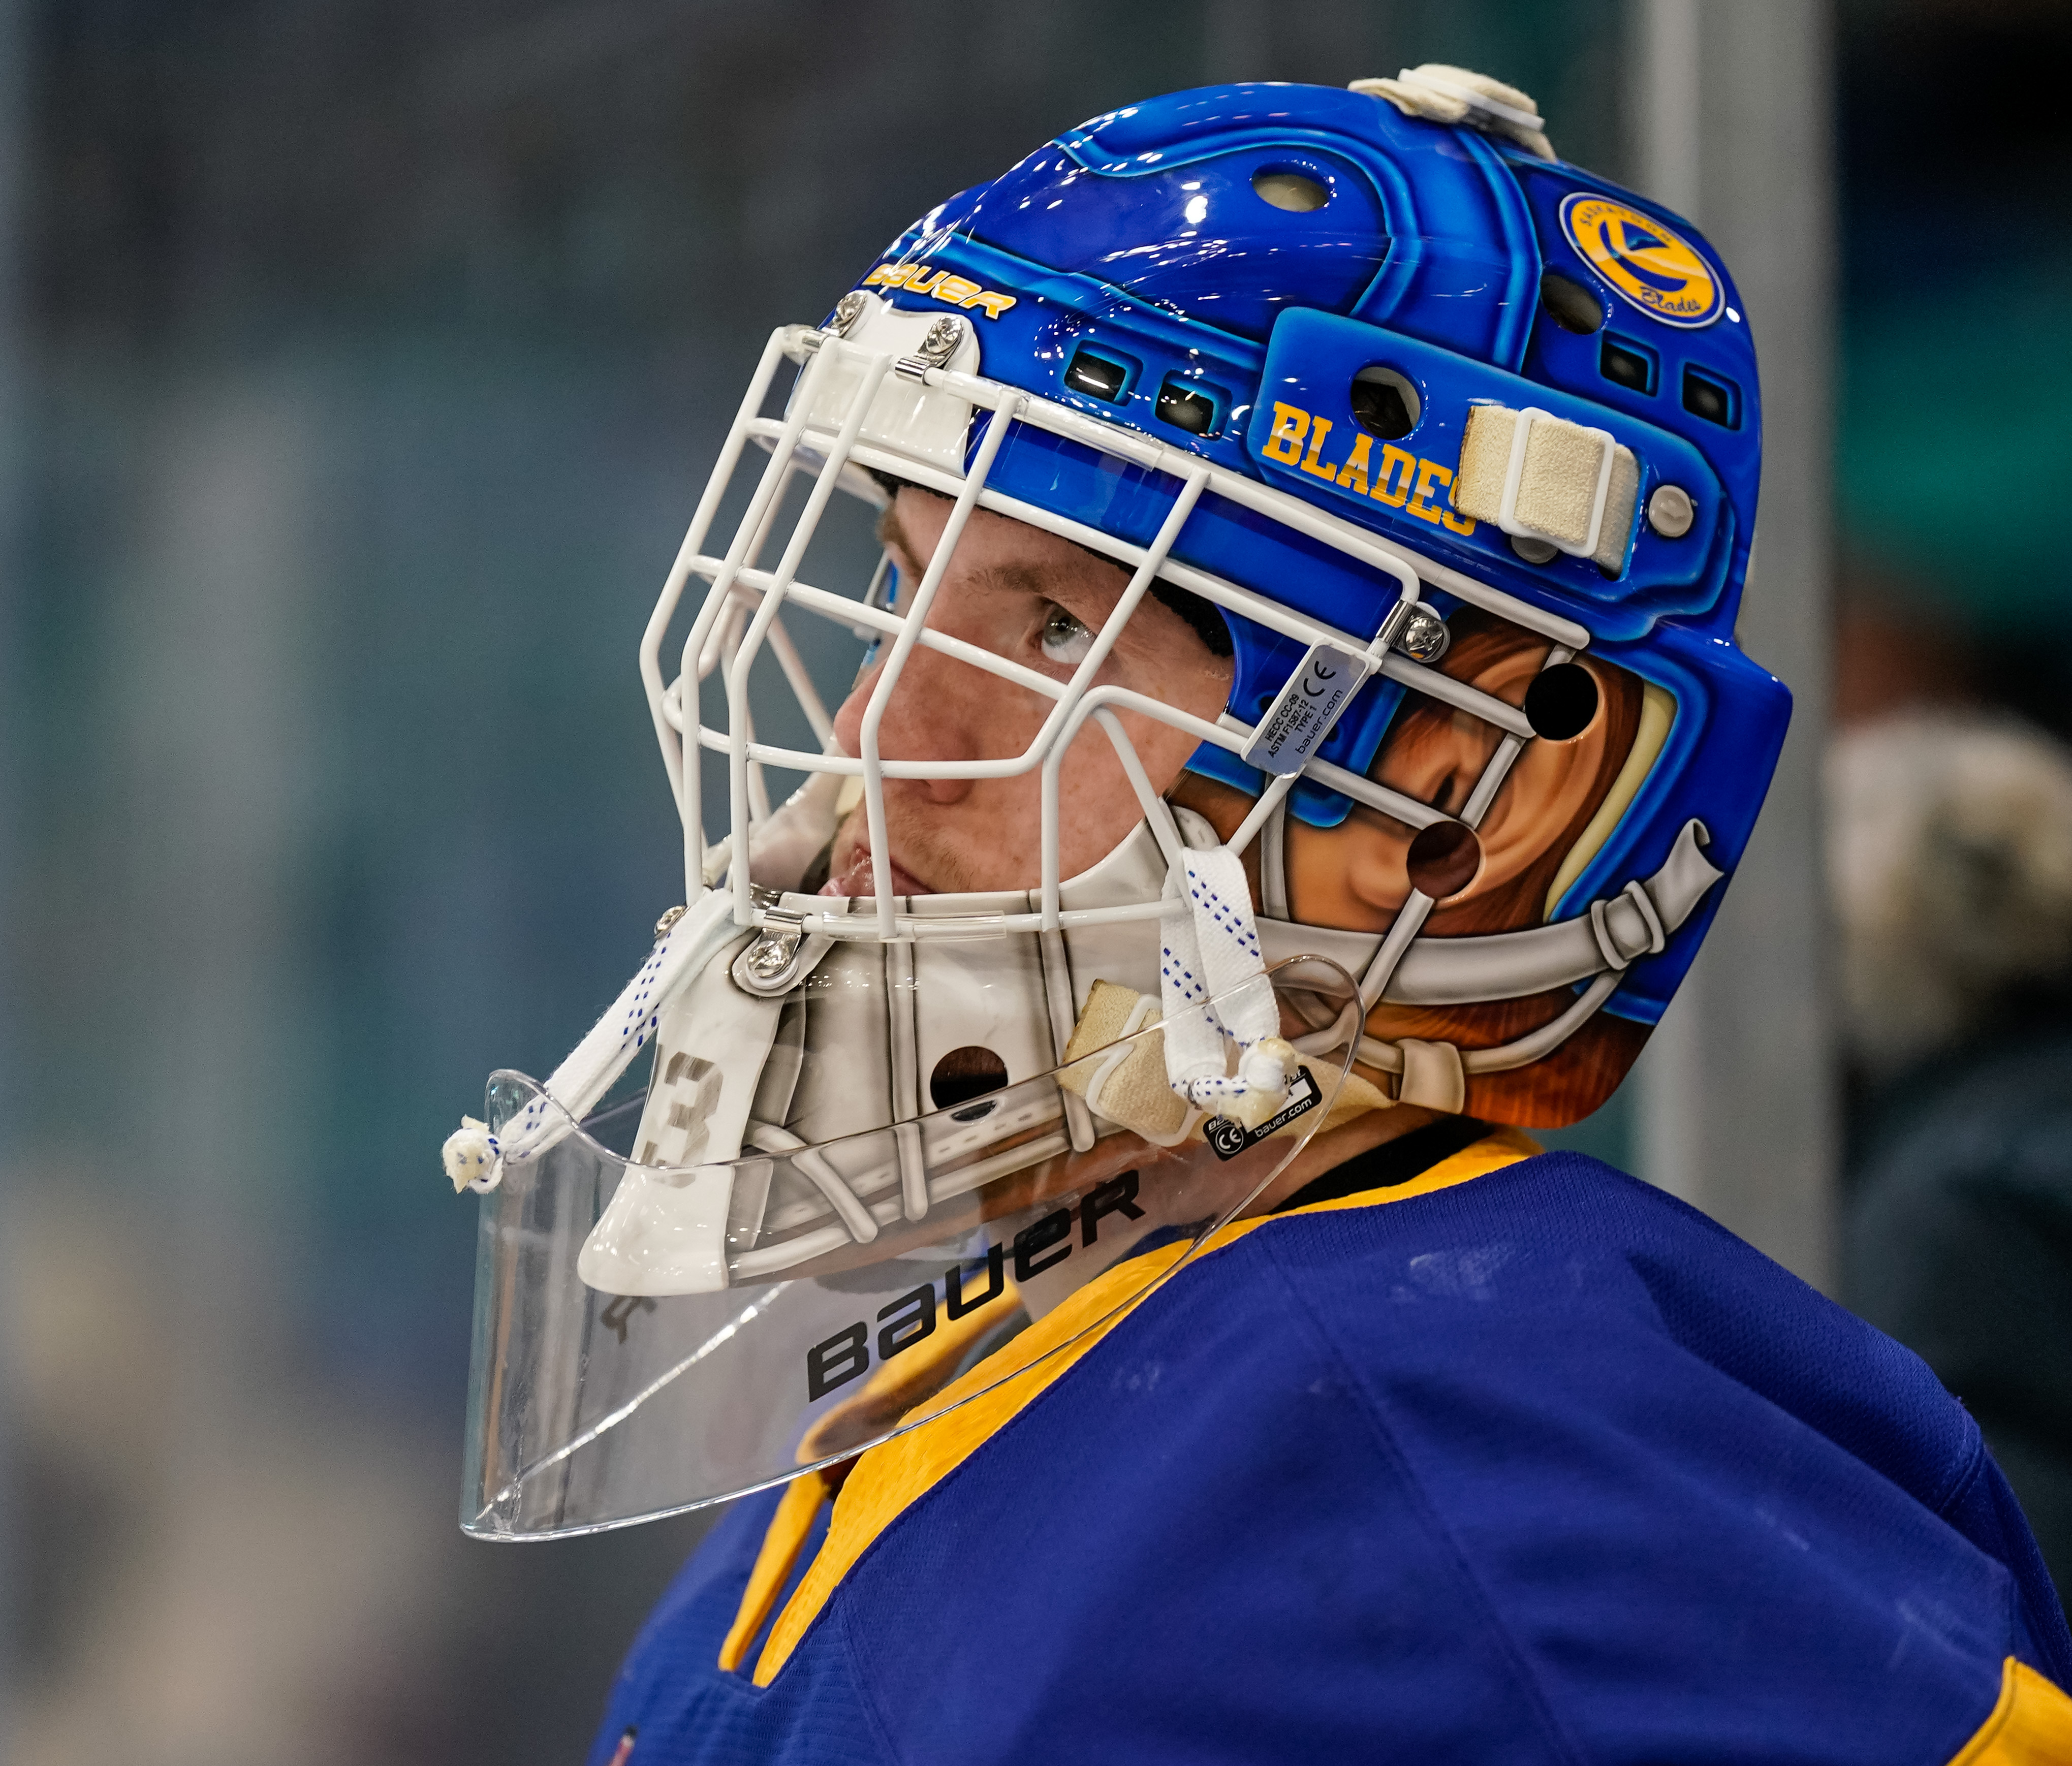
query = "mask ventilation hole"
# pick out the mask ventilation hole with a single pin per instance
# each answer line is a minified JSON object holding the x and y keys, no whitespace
{"x":1710,"y":399}
{"x":963,"y":1074}
{"x":1290,"y":190}
{"x":1561,"y":702}
{"x":1570,"y":304}
{"x":1628,"y":365}
{"x":1444,"y":860}
{"x":1096,"y":377}
{"x":1185,"y":408}
{"x":1384,"y":403}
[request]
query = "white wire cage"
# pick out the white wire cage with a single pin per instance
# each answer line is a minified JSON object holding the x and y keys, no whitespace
{"x":886,"y":398}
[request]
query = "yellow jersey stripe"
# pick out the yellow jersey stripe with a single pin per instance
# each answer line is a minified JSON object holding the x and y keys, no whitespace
{"x":789,"y":1528}
{"x":2031,"y":1725}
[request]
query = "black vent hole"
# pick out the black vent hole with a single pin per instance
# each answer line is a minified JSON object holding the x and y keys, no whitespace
{"x":1561,"y":702}
{"x":1444,"y":860}
{"x":965,"y":1073}
{"x":1708,"y":398}
{"x":1096,"y":377}
{"x":1570,"y":304}
{"x":1187,"y":409}
{"x":1625,"y":366}
{"x":1384,"y":403}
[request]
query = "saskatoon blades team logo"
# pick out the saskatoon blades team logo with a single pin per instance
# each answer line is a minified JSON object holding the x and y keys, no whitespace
{"x":1659,"y":271}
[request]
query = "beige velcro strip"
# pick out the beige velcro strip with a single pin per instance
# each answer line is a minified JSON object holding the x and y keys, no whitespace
{"x":1557,"y":492}
{"x":1557,"y":489}
{"x":1135,"y":1094}
{"x":1484,"y":459}
{"x":1613,"y":536}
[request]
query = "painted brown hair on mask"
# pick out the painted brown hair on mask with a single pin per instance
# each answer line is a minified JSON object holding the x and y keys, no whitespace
{"x":1358,"y":875}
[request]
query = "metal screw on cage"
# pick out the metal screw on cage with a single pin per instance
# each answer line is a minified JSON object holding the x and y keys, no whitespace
{"x":770,"y":955}
{"x":941,"y":342}
{"x":1424,"y":637}
{"x":935,"y":349}
{"x":669,"y":919}
{"x":770,"y":964}
{"x":848,"y":309}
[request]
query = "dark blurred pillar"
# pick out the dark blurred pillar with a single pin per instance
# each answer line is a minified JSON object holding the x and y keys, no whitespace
{"x":13,"y":138}
{"x":1738,"y":1093}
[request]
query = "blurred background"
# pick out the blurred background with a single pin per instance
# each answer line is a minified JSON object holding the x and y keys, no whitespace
{"x":360,"y":364}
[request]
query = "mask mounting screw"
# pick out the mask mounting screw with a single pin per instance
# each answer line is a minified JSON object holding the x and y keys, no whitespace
{"x":848,"y":310}
{"x":941,"y":342}
{"x":1671,"y":512}
{"x":937,"y":346}
{"x":770,"y":955}
{"x":770,"y":964}
{"x":667,"y":920}
{"x":1419,"y":633}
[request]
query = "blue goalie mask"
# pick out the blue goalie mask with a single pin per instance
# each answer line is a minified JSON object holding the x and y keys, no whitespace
{"x":1299,"y":683}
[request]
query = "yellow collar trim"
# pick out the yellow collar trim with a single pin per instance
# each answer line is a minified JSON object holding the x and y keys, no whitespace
{"x":2030,"y":1725}
{"x":894,"y":1474}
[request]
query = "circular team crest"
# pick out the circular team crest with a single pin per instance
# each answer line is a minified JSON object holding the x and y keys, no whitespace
{"x":1659,"y":271}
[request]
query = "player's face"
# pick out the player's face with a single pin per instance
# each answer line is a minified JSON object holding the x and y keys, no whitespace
{"x":1037,"y":600}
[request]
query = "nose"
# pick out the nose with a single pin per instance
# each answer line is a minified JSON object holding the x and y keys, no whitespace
{"x":936,"y":708}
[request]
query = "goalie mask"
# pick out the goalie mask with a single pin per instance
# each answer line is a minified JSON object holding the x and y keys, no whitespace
{"x":1299,"y":683}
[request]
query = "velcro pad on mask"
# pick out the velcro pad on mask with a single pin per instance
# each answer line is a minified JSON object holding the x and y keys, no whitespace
{"x":1134,"y":1094}
{"x":1564,"y":491}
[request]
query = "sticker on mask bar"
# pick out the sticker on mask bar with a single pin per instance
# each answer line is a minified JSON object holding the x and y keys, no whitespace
{"x":1301,"y":717}
{"x":1227,"y":1139}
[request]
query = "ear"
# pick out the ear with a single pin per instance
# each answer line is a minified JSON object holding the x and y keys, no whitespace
{"x":1359,"y":874}
{"x":1548,"y":790}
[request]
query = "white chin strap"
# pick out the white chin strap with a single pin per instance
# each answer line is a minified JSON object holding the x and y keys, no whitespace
{"x":1209,"y":949}
{"x":684,"y":947}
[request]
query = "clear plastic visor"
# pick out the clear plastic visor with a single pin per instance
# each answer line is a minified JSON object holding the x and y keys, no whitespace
{"x":862,"y":1275}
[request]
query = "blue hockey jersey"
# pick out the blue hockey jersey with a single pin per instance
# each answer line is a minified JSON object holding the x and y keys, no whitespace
{"x":1516,"y":1460}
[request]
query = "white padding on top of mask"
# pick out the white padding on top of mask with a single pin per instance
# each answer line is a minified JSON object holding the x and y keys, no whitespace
{"x":909,"y":418}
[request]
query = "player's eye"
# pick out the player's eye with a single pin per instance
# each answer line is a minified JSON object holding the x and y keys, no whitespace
{"x":1065,"y":639}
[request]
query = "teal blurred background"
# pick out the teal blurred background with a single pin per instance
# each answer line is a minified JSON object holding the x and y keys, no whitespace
{"x":362,"y":363}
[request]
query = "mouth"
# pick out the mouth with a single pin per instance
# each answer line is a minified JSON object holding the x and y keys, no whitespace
{"x":856,"y":876}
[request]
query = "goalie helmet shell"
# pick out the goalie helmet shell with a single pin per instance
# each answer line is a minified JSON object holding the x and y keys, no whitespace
{"x":1247,"y":274}
{"x":1456,"y":446}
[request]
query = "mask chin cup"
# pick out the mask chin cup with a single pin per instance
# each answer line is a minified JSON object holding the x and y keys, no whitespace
{"x":663,"y":1233}
{"x":649,"y":1340}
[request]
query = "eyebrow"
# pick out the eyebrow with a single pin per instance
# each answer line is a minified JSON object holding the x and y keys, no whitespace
{"x":891,"y":531}
{"x":1040,"y":579}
